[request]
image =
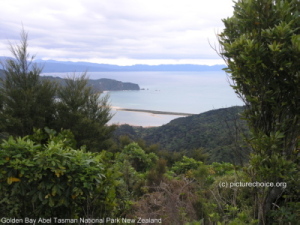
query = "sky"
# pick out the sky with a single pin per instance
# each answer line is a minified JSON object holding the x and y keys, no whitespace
{"x":121,"y":32}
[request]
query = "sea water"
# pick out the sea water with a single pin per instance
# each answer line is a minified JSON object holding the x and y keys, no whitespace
{"x":183,"y":92}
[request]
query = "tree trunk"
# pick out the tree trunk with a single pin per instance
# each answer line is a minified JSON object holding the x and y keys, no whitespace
{"x":272,"y":196}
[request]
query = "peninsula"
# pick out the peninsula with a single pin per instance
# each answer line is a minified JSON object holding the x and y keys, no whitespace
{"x":102,"y":84}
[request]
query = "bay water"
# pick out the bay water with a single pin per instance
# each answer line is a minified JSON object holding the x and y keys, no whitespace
{"x":183,"y":92}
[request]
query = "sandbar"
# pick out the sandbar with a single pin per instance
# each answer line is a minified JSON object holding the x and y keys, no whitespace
{"x":153,"y":111}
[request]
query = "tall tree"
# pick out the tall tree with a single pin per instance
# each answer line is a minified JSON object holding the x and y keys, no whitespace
{"x":85,"y":112}
{"x":261,"y":46}
{"x":27,"y":101}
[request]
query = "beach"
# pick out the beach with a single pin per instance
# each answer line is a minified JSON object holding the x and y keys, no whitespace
{"x":140,"y":117}
{"x":152,"y":111}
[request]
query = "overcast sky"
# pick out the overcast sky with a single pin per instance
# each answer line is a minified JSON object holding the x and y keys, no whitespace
{"x":123,"y":32}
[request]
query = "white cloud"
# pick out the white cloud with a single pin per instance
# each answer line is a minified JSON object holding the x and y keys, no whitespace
{"x":118,"y":31}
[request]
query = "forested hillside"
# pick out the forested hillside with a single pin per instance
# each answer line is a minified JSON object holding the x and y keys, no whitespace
{"x":1,"y":73}
{"x":219,"y":132}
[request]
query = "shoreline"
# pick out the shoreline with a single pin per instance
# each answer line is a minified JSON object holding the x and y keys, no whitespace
{"x":153,"y":111}
{"x":136,"y":126}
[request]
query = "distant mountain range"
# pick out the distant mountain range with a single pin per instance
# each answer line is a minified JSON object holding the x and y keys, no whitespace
{"x":51,"y":66}
{"x":55,"y":66}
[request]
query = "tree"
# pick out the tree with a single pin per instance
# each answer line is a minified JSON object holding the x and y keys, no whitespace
{"x":26,"y":101}
{"x":85,"y":113}
{"x":261,"y":47}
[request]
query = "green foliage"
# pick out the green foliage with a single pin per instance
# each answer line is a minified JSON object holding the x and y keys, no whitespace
{"x":28,"y":102}
{"x":156,"y":174}
{"x":221,"y":169}
{"x":134,"y":164}
{"x":43,"y":136}
{"x":137,"y":157}
{"x":260,"y":44}
{"x":185,"y":165}
{"x":53,"y":179}
{"x":195,"y":222}
{"x":84,"y":113}
{"x":213,"y":136}
{"x":25,"y":101}
{"x":243,"y":218}
{"x":287,"y":214}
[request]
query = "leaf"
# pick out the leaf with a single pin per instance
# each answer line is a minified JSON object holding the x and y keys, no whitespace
{"x":51,"y":202}
{"x":10,"y":180}
{"x":279,"y":135}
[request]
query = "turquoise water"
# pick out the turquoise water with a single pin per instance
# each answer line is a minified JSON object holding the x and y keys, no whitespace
{"x":187,"y":92}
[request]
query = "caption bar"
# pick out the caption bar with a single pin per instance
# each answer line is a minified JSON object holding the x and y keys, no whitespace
{"x":55,"y":220}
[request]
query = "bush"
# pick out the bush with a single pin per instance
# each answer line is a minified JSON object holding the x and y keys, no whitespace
{"x":54,"y":179}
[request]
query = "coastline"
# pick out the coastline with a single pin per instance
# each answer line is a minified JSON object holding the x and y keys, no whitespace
{"x":137,"y":126}
{"x":152,"y":111}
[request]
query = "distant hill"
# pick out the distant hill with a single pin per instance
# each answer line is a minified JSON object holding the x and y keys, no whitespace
{"x":213,"y":130}
{"x":102,"y":84}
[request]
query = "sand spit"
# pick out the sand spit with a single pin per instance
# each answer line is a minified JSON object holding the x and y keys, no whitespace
{"x":153,"y":111}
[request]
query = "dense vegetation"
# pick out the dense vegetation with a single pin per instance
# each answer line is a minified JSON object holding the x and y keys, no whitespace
{"x":45,"y":176}
{"x":58,"y":158}
{"x":261,"y":46}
